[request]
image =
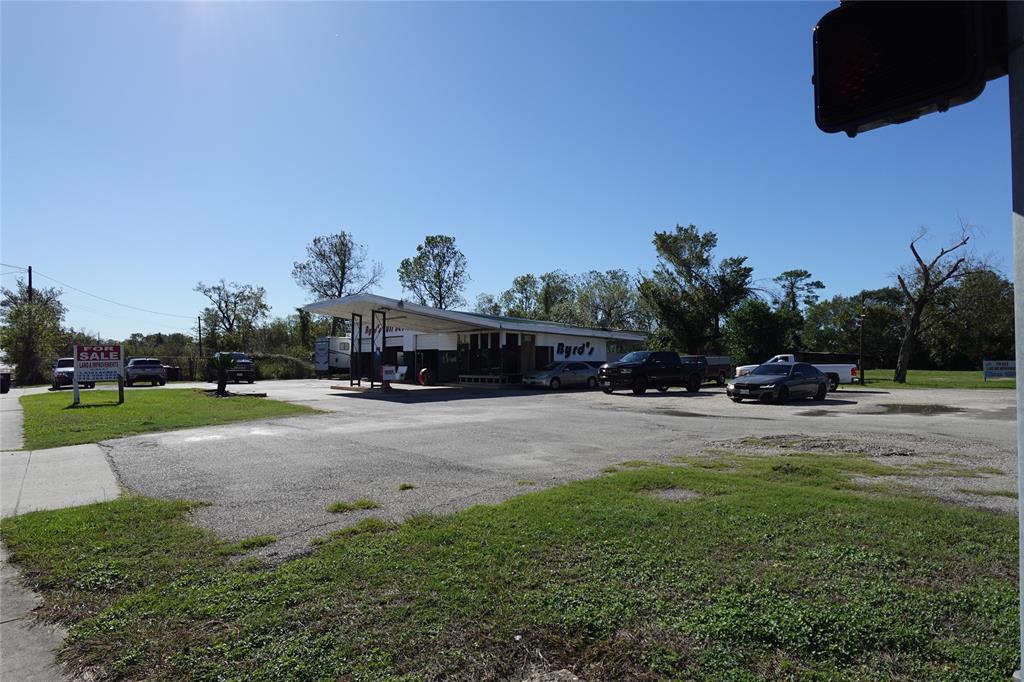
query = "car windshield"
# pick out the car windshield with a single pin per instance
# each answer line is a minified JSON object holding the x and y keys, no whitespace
{"x":144,"y":363}
{"x":550,"y":366}
{"x":635,"y":356}
{"x":239,"y":356}
{"x":773,"y":369}
{"x":66,"y":362}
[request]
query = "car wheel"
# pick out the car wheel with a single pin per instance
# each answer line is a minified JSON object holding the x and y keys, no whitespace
{"x":163,"y":383}
{"x":639,"y":386}
{"x":833,"y":383}
{"x":783,"y":395}
{"x":720,"y":380}
{"x":735,"y":399}
{"x":693,"y":385}
{"x":822,"y":390}
{"x":555,"y":384}
{"x":662,"y":389}
{"x":153,"y":383}
{"x":607,"y":391}
{"x":251,"y":380}
{"x":128,"y":383}
{"x":92,"y":384}
{"x":592,"y":382}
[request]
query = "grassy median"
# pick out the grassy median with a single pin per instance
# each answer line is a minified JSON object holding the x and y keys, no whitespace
{"x":739,"y":569}
{"x":52,"y":421}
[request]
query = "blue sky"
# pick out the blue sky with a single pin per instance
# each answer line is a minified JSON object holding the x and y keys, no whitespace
{"x":146,"y":147}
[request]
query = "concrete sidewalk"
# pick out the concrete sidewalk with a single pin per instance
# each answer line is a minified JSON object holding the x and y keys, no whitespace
{"x":32,"y":481}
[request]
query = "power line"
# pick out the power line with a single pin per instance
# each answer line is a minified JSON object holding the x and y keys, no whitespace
{"x":107,"y":300}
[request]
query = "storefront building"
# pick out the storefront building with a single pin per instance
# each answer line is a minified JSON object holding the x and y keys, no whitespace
{"x":462,"y":347}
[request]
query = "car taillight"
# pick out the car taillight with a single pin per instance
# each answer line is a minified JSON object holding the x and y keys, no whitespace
{"x":853,"y":371}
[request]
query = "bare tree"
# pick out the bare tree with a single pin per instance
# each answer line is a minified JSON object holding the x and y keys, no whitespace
{"x":336,"y":266}
{"x":436,"y":275}
{"x":919,"y":285}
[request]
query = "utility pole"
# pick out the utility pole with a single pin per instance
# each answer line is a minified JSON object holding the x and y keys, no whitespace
{"x":199,"y":319}
{"x":30,"y":284}
{"x":860,"y":378}
{"x":1015,"y":64}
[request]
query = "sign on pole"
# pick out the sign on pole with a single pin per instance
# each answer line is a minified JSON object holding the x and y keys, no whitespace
{"x":998,"y":369}
{"x":99,"y":363}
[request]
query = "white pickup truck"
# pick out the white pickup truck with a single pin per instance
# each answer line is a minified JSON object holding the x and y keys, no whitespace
{"x":840,"y":368}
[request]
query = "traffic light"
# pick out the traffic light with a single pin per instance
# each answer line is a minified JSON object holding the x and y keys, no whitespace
{"x":877,"y":63}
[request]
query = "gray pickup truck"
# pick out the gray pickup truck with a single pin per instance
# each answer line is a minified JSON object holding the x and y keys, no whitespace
{"x":145,"y":369}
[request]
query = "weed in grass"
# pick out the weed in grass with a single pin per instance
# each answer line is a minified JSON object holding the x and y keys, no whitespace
{"x":253,"y":543}
{"x":610,"y":470}
{"x":406,"y":486}
{"x":341,"y":507}
{"x":526,"y":481}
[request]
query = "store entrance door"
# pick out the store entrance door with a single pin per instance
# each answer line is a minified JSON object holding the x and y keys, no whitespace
{"x":528,"y":356}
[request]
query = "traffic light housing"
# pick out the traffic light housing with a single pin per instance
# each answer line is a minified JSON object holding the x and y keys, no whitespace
{"x":877,"y":63}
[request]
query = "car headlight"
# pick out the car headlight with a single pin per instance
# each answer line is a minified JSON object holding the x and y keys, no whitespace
{"x":731,"y":387}
{"x":768,"y":386}
{"x":627,"y":371}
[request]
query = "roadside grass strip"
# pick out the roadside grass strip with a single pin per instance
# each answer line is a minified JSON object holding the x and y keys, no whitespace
{"x":769,"y":568}
{"x":932,"y":378}
{"x":342,"y":506}
{"x":51,"y":421}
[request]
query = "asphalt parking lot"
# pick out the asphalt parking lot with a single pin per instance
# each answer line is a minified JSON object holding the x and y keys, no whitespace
{"x":461,"y":447}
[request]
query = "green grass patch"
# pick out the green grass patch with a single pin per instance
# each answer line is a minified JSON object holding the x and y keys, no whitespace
{"x":784,"y":568}
{"x":249,"y":544}
{"x":406,"y":486}
{"x":342,"y":506}
{"x":932,"y":378}
{"x":51,"y":421}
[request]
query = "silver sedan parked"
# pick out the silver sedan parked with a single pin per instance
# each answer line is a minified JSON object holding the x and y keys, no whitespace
{"x":558,"y":374}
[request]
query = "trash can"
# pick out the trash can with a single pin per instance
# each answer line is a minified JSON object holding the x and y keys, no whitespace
{"x":5,"y":382}
{"x":173,"y":373}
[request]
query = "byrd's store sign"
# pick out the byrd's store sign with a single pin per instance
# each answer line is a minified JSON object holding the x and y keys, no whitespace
{"x":98,"y":363}
{"x":579,"y":351}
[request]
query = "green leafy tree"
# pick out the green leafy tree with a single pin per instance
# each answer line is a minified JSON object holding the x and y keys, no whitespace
{"x":487,"y":304}
{"x":689,"y":292}
{"x":608,"y":300}
{"x":556,"y":296}
{"x":971,"y":321}
{"x":833,"y":325}
{"x":521,"y":299}
{"x":235,"y":311}
{"x":796,"y":288}
{"x":336,"y":266}
{"x":437,"y":274}
{"x":754,"y":332}
{"x":30,"y":331}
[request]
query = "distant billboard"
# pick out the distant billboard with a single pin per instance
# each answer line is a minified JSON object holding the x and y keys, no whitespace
{"x":98,"y":363}
{"x":999,"y":369}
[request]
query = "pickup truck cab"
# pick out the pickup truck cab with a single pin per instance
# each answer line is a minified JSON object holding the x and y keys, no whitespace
{"x":840,"y":368}
{"x":717,"y":369}
{"x":645,"y":369}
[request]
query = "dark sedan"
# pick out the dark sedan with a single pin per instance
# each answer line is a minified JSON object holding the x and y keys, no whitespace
{"x":779,"y":382}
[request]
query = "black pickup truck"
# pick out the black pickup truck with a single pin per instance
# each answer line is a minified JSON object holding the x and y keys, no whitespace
{"x":645,"y":369}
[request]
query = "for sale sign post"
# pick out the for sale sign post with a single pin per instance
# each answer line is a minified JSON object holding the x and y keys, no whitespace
{"x":99,"y":363}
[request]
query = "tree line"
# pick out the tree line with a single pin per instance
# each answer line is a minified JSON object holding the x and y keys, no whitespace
{"x":950,"y":310}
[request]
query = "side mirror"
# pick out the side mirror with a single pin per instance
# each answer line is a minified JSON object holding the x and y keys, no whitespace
{"x":566,"y":369}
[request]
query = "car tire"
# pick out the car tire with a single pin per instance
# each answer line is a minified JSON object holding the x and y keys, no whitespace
{"x":555,"y":384}
{"x":822,"y":391}
{"x":720,"y":380}
{"x":592,"y":382}
{"x":783,"y":395}
{"x":607,"y":391}
{"x":693,"y":384}
{"x":833,"y":382}
{"x":639,"y":386}
{"x":251,"y":380}
{"x":163,"y":383}
{"x":662,"y":389}
{"x":92,"y":384}
{"x":153,"y":383}
{"x":129,"y":383}
{"x":735,"y":399}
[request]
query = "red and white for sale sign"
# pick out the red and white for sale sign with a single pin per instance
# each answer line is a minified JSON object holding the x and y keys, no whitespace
{"x":98,"y":363}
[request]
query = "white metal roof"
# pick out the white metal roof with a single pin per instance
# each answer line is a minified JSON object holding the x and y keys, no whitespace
{"x":423,"y":318}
